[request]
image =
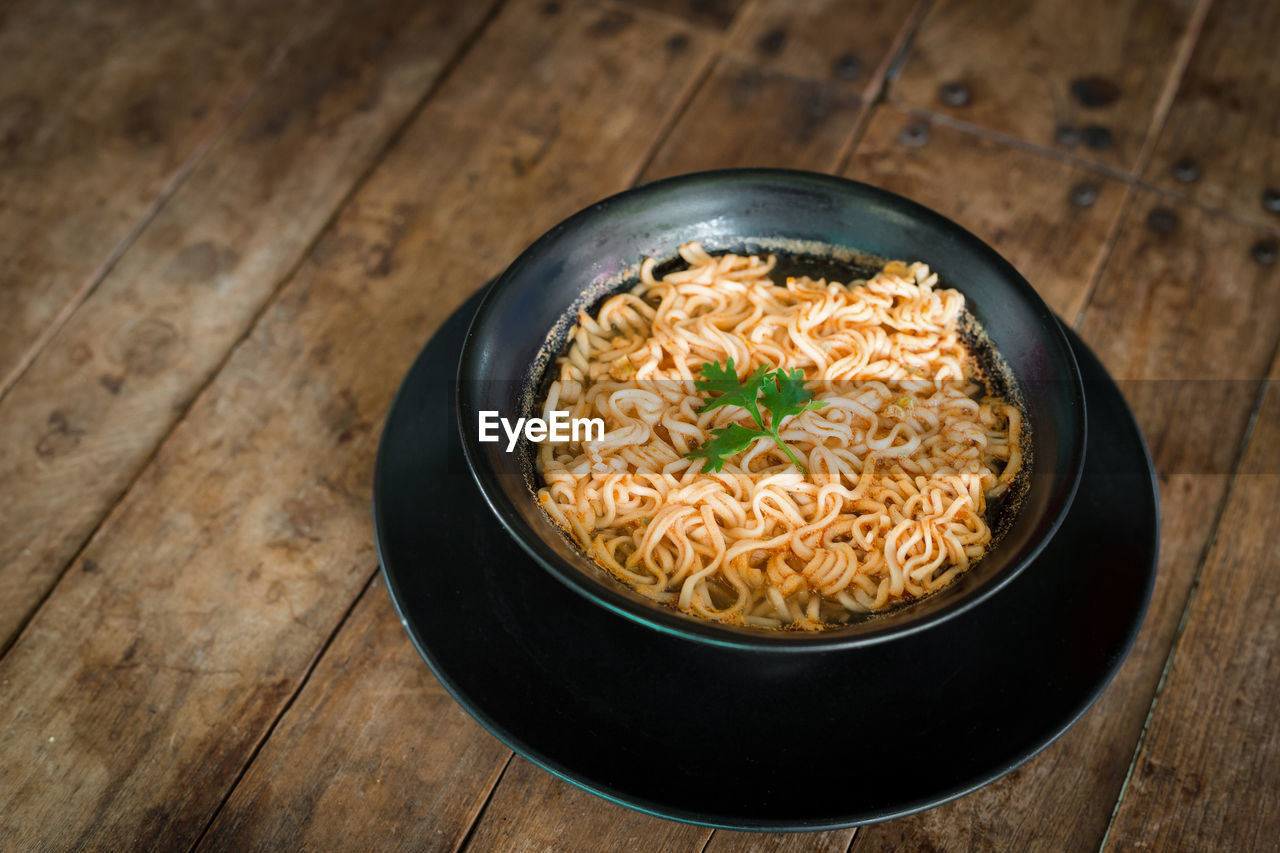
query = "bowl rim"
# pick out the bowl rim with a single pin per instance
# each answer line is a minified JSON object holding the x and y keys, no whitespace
{"x":706,"y":631}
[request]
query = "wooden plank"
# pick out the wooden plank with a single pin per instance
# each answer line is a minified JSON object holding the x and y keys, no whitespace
{"x":715,"y":14}
{"x":747,"y":116}
{"x":373,"y":752}
{"x":1221,"y":142}
{"x":78,"y":426}
{"x":794,"y":100}
{"x":1027,"y":206}
{"x":103,"y":107}
{"x":848,"y":43}
{"x":1181,"y":318}
{"x":836,"y":841}
{"x":1209,"y":769}
{"x":533,"y":810}
{"x":1032,"y":68}
{"x":1185,"y":320}
{"x":178,"y":636}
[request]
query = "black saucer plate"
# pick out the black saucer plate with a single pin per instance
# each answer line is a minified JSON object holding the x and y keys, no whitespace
{"x":740,"y":739}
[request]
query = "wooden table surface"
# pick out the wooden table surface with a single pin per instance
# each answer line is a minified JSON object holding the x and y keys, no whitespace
{"x":227,"y":228}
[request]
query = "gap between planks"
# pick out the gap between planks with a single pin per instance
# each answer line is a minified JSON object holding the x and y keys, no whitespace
{"x":1132,"y":183}
{"x":179,"y":176}
{"x":392,"y":139}
{"x":1176,"y":75}
{"x":1192,"y":593}
{"x":199,"y":392}
{"x":1131,"y":179}
{"x":293,"y":697}
{"x":643,"y":163}
{"x":367,"y":589}
{"x":484,"y":805}
{"x":1133,"y":186}
{"x":899,"y":50}
{"x":1108,"y":245}
{"x":674,"y":118}
{"x":879,"y":91}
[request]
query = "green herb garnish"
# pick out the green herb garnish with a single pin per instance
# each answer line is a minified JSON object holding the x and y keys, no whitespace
{"x":783,"y":394}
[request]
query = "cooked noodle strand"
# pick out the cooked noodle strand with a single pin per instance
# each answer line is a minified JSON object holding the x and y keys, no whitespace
{"x":901,"y":460}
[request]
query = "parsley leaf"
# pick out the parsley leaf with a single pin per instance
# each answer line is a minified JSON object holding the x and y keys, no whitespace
{"x":785,"y":395}
{"x":725,"y":442}
{"x":724,"y":381}
{"x":782,"y":393}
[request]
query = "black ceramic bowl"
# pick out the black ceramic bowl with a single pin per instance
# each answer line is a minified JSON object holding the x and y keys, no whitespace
{"x":816,"y":223}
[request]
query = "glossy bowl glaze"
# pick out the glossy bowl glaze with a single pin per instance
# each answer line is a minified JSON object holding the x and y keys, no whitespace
{"x":818,"y":224}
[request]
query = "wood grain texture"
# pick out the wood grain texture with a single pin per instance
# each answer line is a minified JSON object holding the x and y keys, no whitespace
{"x":1163,"y":304}
{"x":724,"y":841}
{"x":77,"y":427}
{"x":102,"y":106}
{"x":1184,"y":320}
{"x":174,"y":165}
{"x":173,"y":643}
{"x":1020,"y":61}
{"x":374,"y":754}
{"x":533,"y":810}
{"x":847,"y":43}
{"x":1209,"y":769}
{"x":1224,"y":119}
{"x":747,"y":116}
{"x":1019,"y":202}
